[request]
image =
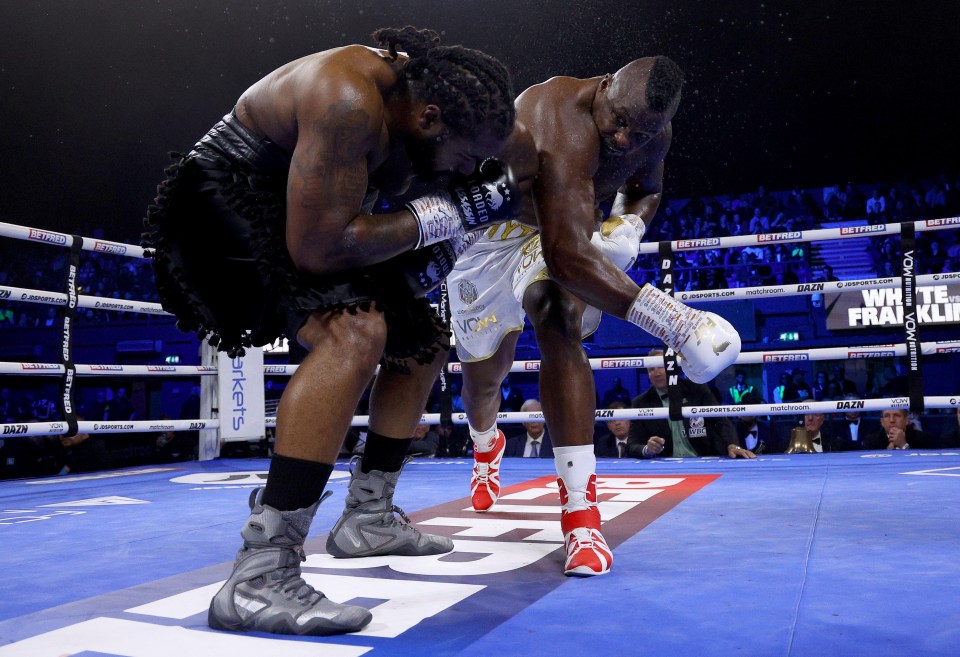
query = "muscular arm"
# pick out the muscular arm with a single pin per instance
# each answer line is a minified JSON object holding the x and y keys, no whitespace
{"x":565,"y":198}
{"x":640,"y":195}
{"x":340,"y":129}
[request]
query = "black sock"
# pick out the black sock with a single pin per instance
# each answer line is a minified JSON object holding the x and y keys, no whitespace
{"x":294,"y":483}
{"x":384,"y":454}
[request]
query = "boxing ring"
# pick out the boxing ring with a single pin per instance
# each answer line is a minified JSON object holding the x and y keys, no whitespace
{"x":789,"y":554}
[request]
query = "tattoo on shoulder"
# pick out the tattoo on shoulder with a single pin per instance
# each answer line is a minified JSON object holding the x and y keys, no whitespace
{"x":336,"y":169}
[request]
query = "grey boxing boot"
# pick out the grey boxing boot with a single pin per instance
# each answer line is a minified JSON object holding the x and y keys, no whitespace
{"x":266,"y":592}
{"x":368,"y":526}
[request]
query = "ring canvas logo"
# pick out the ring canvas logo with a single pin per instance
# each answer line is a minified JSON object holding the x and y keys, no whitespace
{"x":503,"y":561}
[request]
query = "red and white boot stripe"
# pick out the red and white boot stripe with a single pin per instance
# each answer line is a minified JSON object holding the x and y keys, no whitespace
{"x":485,"y":482}
{"x":587,"y":552}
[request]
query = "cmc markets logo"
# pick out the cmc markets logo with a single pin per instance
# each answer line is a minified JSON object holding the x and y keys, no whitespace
{"x":784,"y":358}
{"x":44,"y":236}
{"x":856,"y":230}
{"x":778,"y":237}
{"x":616,"y":363}
{"x":870,"y":354}
{"x":107,"y":247}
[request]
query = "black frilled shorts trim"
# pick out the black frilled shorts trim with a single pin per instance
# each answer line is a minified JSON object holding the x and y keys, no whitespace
{"x":217,"y":232}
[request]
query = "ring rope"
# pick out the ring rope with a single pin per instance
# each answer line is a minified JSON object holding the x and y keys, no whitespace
{"x":605,"y":363}
{"x":137,"y":426}
{"x":813,"y":235}
{"x":63,"y":239}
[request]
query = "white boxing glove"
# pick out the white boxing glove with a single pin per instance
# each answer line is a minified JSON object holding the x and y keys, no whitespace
{"x":619,"y":239}
{"x":707,"y":343}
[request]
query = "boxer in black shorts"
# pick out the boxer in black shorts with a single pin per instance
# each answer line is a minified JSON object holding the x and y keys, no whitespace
{"x":265,"y":228}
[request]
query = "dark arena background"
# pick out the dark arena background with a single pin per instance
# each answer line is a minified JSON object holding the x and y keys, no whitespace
{"x":811,"y":196}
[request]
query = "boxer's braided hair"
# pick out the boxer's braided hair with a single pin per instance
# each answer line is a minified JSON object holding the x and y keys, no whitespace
{"x":471,"y":88}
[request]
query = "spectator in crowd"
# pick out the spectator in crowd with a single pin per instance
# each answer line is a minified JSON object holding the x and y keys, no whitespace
{"x":617,"y":392}
{"x":781,"y":389}
{"x":533,"y":442}
{"x":847,"y":387}
{"x":951,"y":437}
{"x":425,"y":442}
{"x":511,"y":398}
{"x":820,"y":386}
{"x":740,"y":388}
{"x":876,"y":206}
{"x":614,"y":443}
{"x":753,"y":433}
{"x":797,"y":389}
{"x":896,"y":433}
{"x":711,"y":436}
{"x":823,"y":440}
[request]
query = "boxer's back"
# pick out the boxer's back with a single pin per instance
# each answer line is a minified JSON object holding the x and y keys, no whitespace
{"x":270,"y":107}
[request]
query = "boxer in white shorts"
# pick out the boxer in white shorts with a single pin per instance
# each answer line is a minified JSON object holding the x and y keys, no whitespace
{"x":595,"y":140}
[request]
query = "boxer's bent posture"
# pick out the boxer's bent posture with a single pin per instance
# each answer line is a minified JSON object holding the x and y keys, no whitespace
{"x":264,"y":229}
{"x":598,"y":139}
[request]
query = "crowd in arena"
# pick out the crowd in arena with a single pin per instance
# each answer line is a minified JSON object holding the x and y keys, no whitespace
{"x":110,"y":276}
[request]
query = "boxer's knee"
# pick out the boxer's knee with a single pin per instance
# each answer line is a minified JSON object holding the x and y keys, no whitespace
{"x":554,"y":313}
{"x":359,"y":336}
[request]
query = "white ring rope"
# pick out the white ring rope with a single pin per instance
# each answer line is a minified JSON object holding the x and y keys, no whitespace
{"x":758,"y":357}
{"x":62,"y":239}
{"x":83,"y":301}
{"x":605,"y":363}
{"x":772,"y":291}
{"x":814,"y":235}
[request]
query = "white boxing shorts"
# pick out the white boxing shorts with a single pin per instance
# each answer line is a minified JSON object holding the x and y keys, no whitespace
{"x":488,"y":283}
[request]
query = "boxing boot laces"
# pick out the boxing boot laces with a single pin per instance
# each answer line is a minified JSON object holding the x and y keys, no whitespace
{"x":369,"y":525}
{"x":587,"y":552}
{"x":485,"y":480}
{"x":266,"y":591}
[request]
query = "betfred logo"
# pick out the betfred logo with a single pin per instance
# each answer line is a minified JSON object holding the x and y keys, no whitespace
{"x":44,"y":236}
{"x":107,"y":247}
{"x":532,"y":366}
{"x":456,"y":367}
{"x":856,"y":230}
{"x":39,"y":366}
{"x":694,"y":244}
{"x":784,"y":358}
{"x":619,"y":363}
{"x":870,"y":354}
{"x":950,"y":221}
{"x":778,"y":237}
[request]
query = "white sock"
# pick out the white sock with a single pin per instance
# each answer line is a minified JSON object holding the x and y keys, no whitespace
{"x":575,"y":465}
{"x":483,"y":441}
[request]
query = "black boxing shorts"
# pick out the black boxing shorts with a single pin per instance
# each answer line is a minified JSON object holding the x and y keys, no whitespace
{"x":217,"y":232}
